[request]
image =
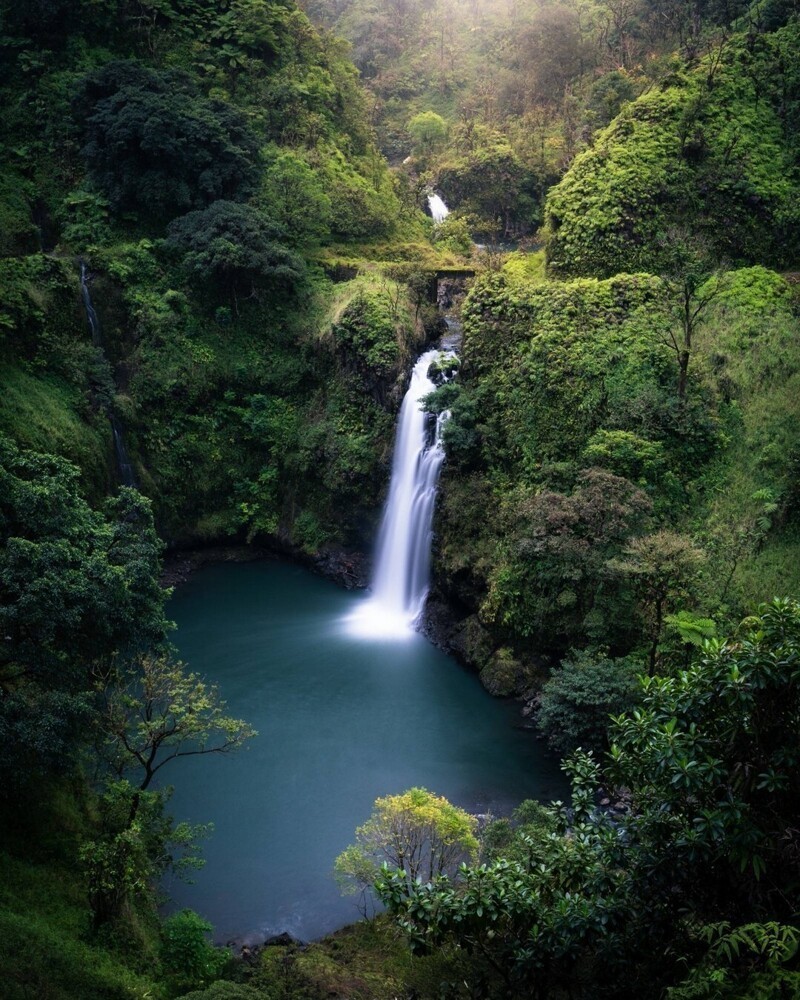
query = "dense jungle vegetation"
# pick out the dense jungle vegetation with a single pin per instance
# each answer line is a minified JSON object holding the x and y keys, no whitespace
{"x":617,"y":536}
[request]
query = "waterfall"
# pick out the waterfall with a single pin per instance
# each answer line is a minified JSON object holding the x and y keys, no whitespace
{"x":91,"y":314}
{"x":124,"y":467}
{"x":439,"y":211}
{"x":401,"y":575}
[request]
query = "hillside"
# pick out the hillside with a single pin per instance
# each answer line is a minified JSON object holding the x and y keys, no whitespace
{"x":212,"y":288}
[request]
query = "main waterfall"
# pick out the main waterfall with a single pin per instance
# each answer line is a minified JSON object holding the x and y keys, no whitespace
{"x":401,"y":575}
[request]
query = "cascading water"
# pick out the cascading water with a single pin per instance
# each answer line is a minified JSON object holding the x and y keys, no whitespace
{"x":402,"y":564}
{"x":91,"y":313}
{"x":124,"y":467}
{"x":439,"y":211}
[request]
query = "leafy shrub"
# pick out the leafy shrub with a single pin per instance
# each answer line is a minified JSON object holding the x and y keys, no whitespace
{"x":156,"y":147}
{"x":581,"y":694}
{"x":238,"y":249}
{"x":188,"y":959}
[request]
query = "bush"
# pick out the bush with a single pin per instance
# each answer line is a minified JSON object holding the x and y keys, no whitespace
{"x":238,"y":249}
{"x":581,"y":694}
{"x":187,"y":957}
{"x":156,"y":147}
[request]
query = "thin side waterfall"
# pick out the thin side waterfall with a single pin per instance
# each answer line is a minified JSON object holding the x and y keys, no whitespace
{"x":124,"y":466}
{"x":401,"y":575}
{"x":439,"y":211}
{"x":91,"y":313}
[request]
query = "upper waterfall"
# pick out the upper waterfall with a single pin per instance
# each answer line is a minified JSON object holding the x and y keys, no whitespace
{"x":402,"y":563}
{"x":439,"y":211}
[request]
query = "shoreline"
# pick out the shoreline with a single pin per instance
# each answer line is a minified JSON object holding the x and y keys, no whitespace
{"x":347,"y":568}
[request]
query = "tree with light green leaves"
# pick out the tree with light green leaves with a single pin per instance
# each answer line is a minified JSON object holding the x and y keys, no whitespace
{"x":421,"y":835}
{"x":699,"y":877}
{"x":156,"y":711}
{"x":428,"y":131}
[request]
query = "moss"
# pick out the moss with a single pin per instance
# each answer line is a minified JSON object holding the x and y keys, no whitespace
{"x":711,"y":149}
{"x":504,"y":674}
{"x":473,"y":644}
{"x":370,"y":960}
{"x":46,"y":414}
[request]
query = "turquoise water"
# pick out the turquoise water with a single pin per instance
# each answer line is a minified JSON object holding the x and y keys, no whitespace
{"x":341,"y":721}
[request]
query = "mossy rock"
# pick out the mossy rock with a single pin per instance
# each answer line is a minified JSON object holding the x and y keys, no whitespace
{"x":472,"y":643}
{"x":504,"y":674}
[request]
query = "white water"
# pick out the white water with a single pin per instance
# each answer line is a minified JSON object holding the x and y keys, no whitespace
{"x":402,"y":564}
{"x":124,"y":468}
{"x":439,"y":211}
{"x":91,"y":314}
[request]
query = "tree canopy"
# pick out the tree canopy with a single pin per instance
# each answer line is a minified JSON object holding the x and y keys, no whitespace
{"x":708,"y":843}
{"x":237,"y":248}
{"x":155,"y":146}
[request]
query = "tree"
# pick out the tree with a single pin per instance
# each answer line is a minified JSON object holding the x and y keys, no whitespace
{"x":237,"y":248}
{"x":157,"y":147}
{"x":664,"y":567}
{"x":293,"y":195}
{"x":77,"y":588}
{"x":707,"y":852}
{"x":188,"y":958}
{"x":428,"y":131}
{"x":420,"y":834}
{"x":558,"y":581}
{"x":76,"y":585}
{"x":580,"y":696}
{"x":132,"y":850}
{"x":692,"y":280}
{"x":156,"y":711}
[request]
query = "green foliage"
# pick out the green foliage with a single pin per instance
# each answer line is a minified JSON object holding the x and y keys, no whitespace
{"x":155,"y":711}
{"x":710,"y":762}
{"x":510,"y":838}
{"x":491,"y":183}
{"x":78,"y":585}
{"x":427,"y":130}
{"x":420,"y":834}
{"x":17,"y":232}
{"x":45,"y":950}
{"x":691,"y":629}
{"x":360,"y":209}
{"x":189,"y":961}
{"x":703,"y":150}
{"x":43,"y":413}
{"x":132,"y":846}
{"x":294,"y":196}
{"x":238,"y":249}
{"x":224,"y":991}
{"x":156,"y":147}
{"x":560,"y":549}
{"x":559,"y":377}
{"x":751,"y":336}
{"x":453,"y":234}
{"x":366,"y":331}
{"x":581,"y":695}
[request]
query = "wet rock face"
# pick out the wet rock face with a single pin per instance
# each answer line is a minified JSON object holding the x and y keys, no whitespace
{"x":503,"y":672}
{"x":458,"y":633}
{"x":349,"y":569}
